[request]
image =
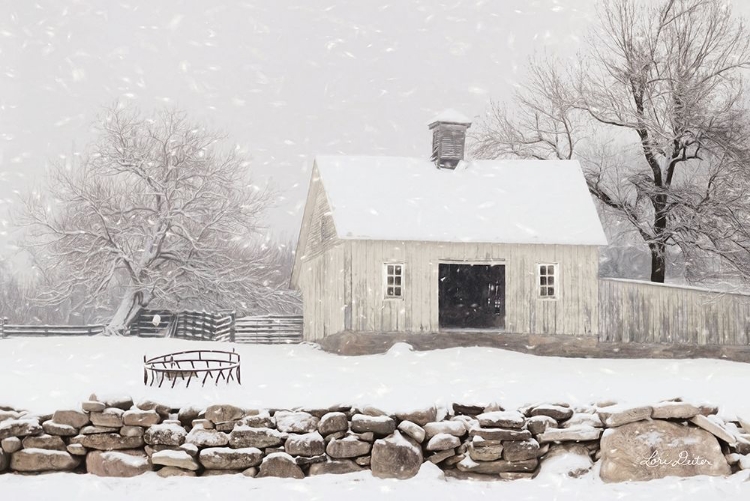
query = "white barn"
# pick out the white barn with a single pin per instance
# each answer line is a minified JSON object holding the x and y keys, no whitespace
{"x":394,"y":244}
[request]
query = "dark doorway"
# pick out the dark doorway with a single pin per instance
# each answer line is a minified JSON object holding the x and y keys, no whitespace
{"x":472,"y":296}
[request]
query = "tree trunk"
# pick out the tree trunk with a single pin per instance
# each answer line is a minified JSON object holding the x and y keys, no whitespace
{"x":658,"y":246}
{"x":126,"y":313}
{"x":658,"y":262}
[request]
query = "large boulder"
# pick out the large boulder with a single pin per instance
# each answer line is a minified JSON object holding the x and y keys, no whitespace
{"x":108,"y":418}
{"x":379,"y":425}
{"x":348,"y":447}
{"x":38,"y":460}
{"x":117,"y":463}
{"x":165,"y":434}
{"x":556,"y":412}
{"x":442,"y":442}
{"x":225,"y":458}
{"x":455,"y":428}
{"x":280,"y":464}
{"x":59,"y":429}
{"x":201,"y":437}
{"x":675,"y":410}
{"x":244,"y":436}
{"x":412,"y":430}
{"x":647,"y":450}
{"x":502,"y":419}
{"x":74,"y":418}
{"x":11,"y":444}
{"x":50,"y":442}
{"x":296,"y":422}
{"x":396,"y":457}
{"x":20,"y":428}
{"x":619,"y":415}
{"x":539,"y":424}
{"x":262,"y":419}
{"x":333,"y":422}
{"x":308,"y":445}
{"x":139,"y":417}
{"x":420,"y":417}
{"x":177,"y":459}
{"x":521,"y":450}
{"x":107,"y":441}
{"x":222,"y":413}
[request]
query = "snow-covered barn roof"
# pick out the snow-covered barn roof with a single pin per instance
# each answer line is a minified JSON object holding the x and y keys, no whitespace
{"x":490,"y":201}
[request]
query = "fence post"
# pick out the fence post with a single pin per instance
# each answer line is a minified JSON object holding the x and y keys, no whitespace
{"x":2,"y":327}
{"x":232,"y":327}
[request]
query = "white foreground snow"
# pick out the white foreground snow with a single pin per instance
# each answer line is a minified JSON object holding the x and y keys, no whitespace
{"x":364,"y":487}
{"x":47,"y":374}
{"x":43,"y":375}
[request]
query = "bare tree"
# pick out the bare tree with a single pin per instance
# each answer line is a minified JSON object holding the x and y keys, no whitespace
{"x":668,"y":80}
{"x":156,"y":212}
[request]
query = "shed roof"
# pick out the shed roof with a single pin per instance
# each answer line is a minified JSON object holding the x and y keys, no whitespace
{"x":488,"y":201}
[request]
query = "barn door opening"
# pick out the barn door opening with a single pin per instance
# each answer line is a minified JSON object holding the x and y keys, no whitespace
{"x":471,"y":296}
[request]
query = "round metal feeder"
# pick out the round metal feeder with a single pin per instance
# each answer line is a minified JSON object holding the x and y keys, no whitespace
{"x":193,"y":364}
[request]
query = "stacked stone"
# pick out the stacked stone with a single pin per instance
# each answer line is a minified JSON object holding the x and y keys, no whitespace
{"x":117,"y":438}
{"x":103,"y":438}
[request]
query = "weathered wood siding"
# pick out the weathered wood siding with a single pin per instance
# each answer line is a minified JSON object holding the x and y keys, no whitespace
{"x":343,"y":289}
{"x":643,"y":312}
{"x":318,"y":233}
{"x":322,"y":284}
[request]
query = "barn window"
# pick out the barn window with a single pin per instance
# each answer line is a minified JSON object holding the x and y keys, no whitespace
{"x":394,"y":280}
{"x":548,"y":283}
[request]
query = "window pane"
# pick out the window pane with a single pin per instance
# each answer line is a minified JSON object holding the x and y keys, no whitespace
{"x":390,"y":280}
{"x":551,"y":280}
{"x":398,"y":280}
{"x":542,"y":270}
{"x":390,"y":269}
{"x":542,"y":280}
{"x":397,"y":291}
{"x":390,"y":291}
{"x":398,"y":270}
{"x":550,"y":269}
{"x":551,"y":291}
{"x":543,"y":291}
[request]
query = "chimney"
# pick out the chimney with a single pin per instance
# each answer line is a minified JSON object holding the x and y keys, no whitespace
{"x":448,"y":138}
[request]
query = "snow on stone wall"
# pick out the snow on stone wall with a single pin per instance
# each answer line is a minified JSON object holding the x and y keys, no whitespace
{"x":120,"y":439}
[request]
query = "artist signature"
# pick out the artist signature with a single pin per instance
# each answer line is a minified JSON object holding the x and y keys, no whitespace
{"x":683,"y":459}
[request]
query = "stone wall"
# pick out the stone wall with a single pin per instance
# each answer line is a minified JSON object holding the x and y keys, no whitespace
{"x":118,"y":438}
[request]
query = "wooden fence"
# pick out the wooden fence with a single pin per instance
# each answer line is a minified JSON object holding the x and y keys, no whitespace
{"x":644,"y":312}
{"x":13,"y":330}
{"x":269,"y":329}
{"x":199,"y":325}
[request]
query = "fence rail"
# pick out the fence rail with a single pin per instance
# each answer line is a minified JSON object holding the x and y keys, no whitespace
{"x":11,"y":330}
{"x":196,"y":325}
{"x":269,"y":329}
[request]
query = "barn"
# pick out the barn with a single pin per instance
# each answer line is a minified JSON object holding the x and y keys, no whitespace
{"x":439,"y":243}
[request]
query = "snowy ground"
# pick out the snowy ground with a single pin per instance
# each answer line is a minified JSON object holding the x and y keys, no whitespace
{"x":364,"y":487}
{"x":47,"y":374}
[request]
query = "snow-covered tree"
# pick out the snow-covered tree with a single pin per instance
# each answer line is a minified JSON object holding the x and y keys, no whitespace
{"x":156,"y":211}
{"x":655,"y":109}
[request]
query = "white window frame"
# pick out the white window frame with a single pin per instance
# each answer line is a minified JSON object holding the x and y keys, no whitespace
{"x":555,"y":281}
{"x":386,"y":286}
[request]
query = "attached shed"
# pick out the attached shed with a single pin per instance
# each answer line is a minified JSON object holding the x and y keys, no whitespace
{"x":391,"y":244}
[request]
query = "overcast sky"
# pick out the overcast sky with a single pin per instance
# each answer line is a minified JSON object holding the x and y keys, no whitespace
{"x":285,"y":79}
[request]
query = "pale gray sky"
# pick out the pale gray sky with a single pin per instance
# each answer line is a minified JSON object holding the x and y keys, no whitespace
{"x":285,"y":79}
